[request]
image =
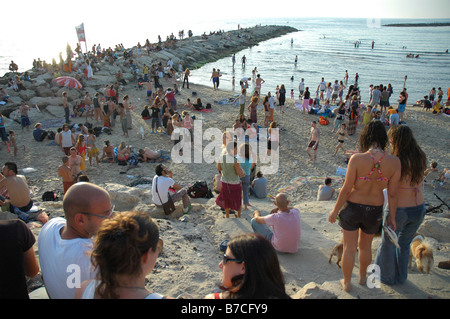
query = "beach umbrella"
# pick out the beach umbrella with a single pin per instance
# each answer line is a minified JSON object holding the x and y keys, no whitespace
{"x":68,"y":81}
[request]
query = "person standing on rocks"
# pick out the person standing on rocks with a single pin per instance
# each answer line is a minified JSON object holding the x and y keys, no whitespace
{"x":127,"y":107}
{"x":187,"y":73}
{"x":66,"y":107}
{"x":24,"y":119}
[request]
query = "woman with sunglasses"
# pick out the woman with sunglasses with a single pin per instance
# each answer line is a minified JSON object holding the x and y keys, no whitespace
{"x":125,"y":251}
{"x":250,"y":270}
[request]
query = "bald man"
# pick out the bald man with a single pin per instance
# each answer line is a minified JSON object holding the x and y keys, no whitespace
{"x":285,"y":223}
{"x":64,"y":243}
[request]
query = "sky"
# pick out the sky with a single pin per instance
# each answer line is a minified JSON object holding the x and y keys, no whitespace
{"x":47,"y":25}
{"x":55,"y":12}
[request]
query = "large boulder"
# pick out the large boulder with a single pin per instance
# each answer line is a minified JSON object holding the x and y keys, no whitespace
{"x":314,"y":291}
{"x":436,"y":228}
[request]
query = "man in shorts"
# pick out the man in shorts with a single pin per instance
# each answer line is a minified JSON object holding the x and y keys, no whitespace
{"x":24,"y":119}
{"x":313,"y":142}
{"x":322,"y":86}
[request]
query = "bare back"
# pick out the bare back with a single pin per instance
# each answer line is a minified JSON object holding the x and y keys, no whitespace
{"x":367,"y":182}
{"x":18,"y":190}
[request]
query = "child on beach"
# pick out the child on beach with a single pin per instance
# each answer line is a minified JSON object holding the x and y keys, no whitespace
{"x":12,"y":141}
{"x":188,"y":104}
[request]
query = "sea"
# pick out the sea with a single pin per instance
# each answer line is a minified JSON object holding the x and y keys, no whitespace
{"x":323,"y":47}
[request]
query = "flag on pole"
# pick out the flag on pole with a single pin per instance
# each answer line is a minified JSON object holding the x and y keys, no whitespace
{"x":80,"y":33}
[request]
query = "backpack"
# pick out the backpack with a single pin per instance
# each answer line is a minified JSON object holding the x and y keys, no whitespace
{"x":208,"y":106}
{"x":97,"y":131}
{"x":50,"y":196}
{"x":199,"y":189}
{"x":51,"y":135}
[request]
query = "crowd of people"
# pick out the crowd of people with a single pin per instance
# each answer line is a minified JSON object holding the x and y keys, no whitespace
{"x":126,"y":246}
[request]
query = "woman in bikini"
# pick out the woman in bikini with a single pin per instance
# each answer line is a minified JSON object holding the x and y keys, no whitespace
{"x":361,"y":199}
{"x":108,"y":152}
{"x":410,"y":213}
{"x":342,"y":133}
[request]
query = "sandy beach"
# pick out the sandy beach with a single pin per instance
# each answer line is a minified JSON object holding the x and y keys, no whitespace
{"x":189,"y":261}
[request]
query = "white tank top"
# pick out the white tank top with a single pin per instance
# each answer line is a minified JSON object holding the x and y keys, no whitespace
{"x":66,"y":139}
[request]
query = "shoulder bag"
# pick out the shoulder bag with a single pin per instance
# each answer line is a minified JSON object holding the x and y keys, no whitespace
{"x":168,"y":206}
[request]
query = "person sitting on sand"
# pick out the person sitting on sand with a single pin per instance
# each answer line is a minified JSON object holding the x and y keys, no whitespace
{"x":285,"y":222}
{"x":108,"y":152}
{"x":18,"y":192}
{"x":65,"y":243}
{"x":250,"y":270}
{"x":124,"y":253}
{"x":259,"y":186}
{"x":163,"y":180}
{"x":123,"y":152}
{"x":39,"y":133}
{"x":148,"y":154}
{"x":325,"y":192}
{"x":198,"y":104}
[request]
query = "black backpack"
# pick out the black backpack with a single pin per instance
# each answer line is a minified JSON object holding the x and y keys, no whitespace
{"x":200,"y":190}
{"x":50,"y":196}
{"x":51,"y":135}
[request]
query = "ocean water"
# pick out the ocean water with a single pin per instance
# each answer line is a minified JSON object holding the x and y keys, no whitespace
{"x":324,"y":47}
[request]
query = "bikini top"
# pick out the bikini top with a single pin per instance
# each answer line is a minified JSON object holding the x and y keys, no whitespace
{"x":376,"y":166}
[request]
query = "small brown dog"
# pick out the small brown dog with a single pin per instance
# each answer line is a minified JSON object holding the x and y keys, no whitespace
{"x":422,"y":253}
{"x":337,"y":251}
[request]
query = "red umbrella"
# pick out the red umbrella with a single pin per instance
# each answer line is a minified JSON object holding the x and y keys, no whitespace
{"x":69,"y":82}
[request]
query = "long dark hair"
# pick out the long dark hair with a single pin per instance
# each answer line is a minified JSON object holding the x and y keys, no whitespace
{"x":412,"y":158}
{"x":373,"y":133}
{"x":118,"y":248}
{"x":263,"y":278}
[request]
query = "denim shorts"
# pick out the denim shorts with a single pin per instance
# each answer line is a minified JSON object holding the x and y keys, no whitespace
{"x":358,"y":216}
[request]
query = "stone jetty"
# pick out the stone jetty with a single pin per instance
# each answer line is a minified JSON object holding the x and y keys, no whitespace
{"x":193,"y":52}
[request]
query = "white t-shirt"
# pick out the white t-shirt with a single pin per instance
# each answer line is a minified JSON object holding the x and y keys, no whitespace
{"x":66,"y":138}
{"x":335,"y":88}
{"x":271,"y":102}
{"x":65,"y":263}
{"x":301,"y":86}
{"x":163,"y":188}
{"x":286,"y":230}
{"x":323,"y":85}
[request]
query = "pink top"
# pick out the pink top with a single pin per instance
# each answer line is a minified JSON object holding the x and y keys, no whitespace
{"x":286,"y":230}
{"x":187,"y":122}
